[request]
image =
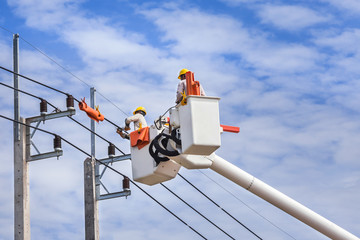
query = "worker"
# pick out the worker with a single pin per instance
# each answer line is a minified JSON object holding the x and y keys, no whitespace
{"x":138,"y":119}
{"x":181,"y":88}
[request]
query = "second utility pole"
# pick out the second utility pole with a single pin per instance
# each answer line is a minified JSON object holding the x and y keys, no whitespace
{"x":91,"y":186}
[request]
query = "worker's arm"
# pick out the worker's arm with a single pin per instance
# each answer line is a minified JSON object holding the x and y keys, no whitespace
{"x":138,"y":119}
{"x":133,"y":118}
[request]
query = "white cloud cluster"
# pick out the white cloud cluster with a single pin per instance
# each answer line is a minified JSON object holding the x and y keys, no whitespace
{"x":290,"y":17}
{"x":351,"y":6}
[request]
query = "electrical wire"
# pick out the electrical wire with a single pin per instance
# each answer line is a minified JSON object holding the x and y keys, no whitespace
{"x":32,"y":80}
{"x":19,"y":90}
{"x":197,"y":211}
{"x":67,"y":94}
{"x":52,"y":88}
{"x":218,"y":206}
{"x":99,"y":137}
{"x":57,"y":110}
{"x":51,"y":59}
{"x":247,"y":205}
{"x":111,"y":168}
{"x":96,"y":134}
{"x":63,"y":68}
{"x":6,"y":29}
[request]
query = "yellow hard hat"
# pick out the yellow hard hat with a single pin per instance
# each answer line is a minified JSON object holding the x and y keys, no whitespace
{"x":182,"y":71}
{"x":140,"y":109}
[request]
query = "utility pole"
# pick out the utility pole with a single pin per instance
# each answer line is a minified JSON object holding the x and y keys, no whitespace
{"x":91,"y":186}
{"x":92,"y":181}
{"x":21,"y":174}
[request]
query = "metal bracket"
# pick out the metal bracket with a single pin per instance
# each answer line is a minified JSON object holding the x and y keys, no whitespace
{"x":124,"y":193}
{"x":115,"y":159}
{"x":106,"y":162}
{"x":57,"y":153}
{"x":49,"y":116}
{"x":40,"y":156}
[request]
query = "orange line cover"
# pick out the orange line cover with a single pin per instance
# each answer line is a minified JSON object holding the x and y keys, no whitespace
{"x":140,"y":138}
{"x":92,"y":113}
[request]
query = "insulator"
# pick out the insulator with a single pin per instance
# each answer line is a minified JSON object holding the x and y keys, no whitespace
{"x":57,"y":143}
{"x":43,"y":107}
{"x":126,"y":184}
{"x":111,"y":150}
{"x":70,"y":102}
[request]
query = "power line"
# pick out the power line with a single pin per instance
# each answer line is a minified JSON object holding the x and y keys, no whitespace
{"x":113,"y":169}
{"x":65,"y":69}
{"x":57,"y":109}
{"x":69,"y":72}
{"x":6,"y":29}
{"x":96,"y":135}
{"x":82,"y":126}
{"x":32,"y":80}
{"x":247,"y":205}
{"x":218,"y":206}
{"x":67,"y":94}
{"x":52,"y":88}
{"x":197,"y":211}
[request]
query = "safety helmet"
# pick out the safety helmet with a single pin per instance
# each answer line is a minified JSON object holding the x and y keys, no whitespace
{"x":182,"y":71}
{"x":140,"y":109}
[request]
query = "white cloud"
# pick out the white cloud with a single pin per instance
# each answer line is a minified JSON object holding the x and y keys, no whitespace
{"x":344,"y":42}
{"x":46,"y":15}
{"x":352,"y":6}
{"x":227,"y":36}
{"x":290,"y":17}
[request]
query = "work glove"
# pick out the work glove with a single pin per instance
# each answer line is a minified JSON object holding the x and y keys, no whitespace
{"x":119,"y":130}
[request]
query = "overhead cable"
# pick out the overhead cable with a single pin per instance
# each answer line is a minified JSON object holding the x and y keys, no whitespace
{"x":52,"y":88}
{"x":30,"y":79}
{"x":247,"y":205}
{"x":57,"y":109}
{"x":65,"y":69}
{"x":218,"y":206}
{"x":197,"y":211}
{"x":104,"y":140}
{"x":111,"y":168}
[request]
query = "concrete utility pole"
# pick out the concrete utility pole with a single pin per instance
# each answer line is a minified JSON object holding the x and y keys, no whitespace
{"x":21,"y":175}
{"x":92,"y":182}
{"x":91,"y":185}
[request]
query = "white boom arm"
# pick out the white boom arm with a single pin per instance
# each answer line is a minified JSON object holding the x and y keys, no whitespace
{"x":279,"y":199}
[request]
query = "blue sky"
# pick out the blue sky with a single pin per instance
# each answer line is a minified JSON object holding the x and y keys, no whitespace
{"x":287,"y":74}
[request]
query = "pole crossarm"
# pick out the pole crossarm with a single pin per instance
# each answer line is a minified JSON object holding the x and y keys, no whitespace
{"x":106,"y":162}
{"x":124,"y":193}
{"x":115,"y":159}
{"x":57,"y":152}
{"x":41,"y":156}
{"x":49,"y":116}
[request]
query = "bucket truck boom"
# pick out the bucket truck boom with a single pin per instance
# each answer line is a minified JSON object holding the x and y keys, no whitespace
{"x":190,"y":139}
